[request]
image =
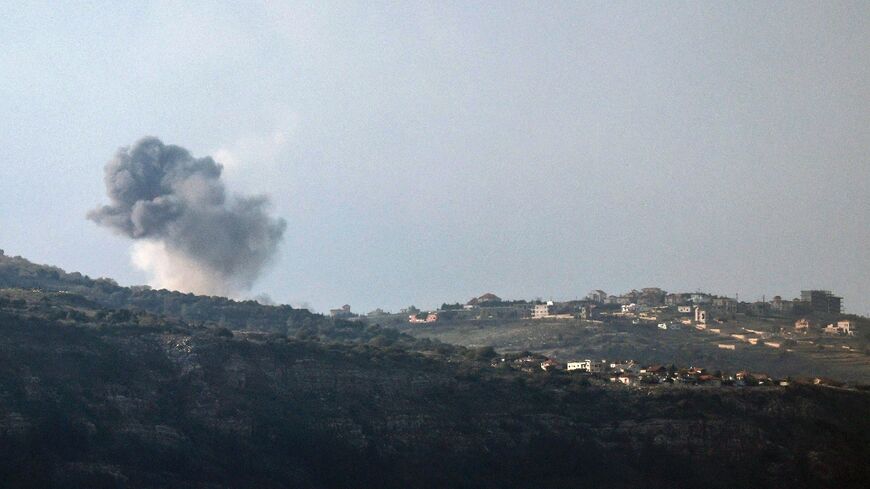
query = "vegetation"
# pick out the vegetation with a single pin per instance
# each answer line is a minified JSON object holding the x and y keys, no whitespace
{"x":100,"y":393}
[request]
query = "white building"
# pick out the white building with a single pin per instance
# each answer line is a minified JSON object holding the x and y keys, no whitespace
{"x":591,"y":366}
{"x":540,"y":311}
{"x":845,"y":327}
{"x":700,"y":315}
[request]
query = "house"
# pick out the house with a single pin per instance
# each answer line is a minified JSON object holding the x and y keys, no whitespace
{"x":652,"y":296}
{"x":726,"y":347}
{"x":342,"y":313}
{"x":755,"y":378}
{"x":377,"y":313}
{"x":700,"y":298}
{"x":803,"y":325}
{"x":783,"y":307}
{"x":710,"y":380}
{"x":684,"y":309}
{"x":627,"y":379}
{"x":655,"y":370}
{"x":484,"y":299}
{"x":550,"y":364}
{"x":591,"y":366}
{"x":623,"y":367}
{"x":845,"y":328}
{"x":431,"y":317}
{"x":629,"y":308}
{"x":700,"y":315}
{"x":597,"y":296}
{"x":725,"y":305}
{"x":540,"y":311}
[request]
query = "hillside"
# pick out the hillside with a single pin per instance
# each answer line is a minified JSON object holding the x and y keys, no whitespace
{"x":95,"y":396}
{"x":569,"y":340}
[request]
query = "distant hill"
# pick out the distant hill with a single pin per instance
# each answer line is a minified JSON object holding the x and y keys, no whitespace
{"x":98,"y":396}
{"x":18,"y":272}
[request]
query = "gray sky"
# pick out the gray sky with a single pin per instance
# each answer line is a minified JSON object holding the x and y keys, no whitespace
{"x":430,"y":152}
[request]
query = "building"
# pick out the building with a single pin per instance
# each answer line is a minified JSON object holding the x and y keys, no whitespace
{"x":597,"y":296}
{"x":550,"y":364}
{"x":431,"y":317}
{"x":488,"y":298}
{"x":845,"y":327}
{"x":822,"y":301}
{"x":623,"y":367}
{"x":377,"y":313}
{"x":591,"y":366}
{"x":626,"y":378}
{"x":803,"y":325}
{"x":652,"y":296}
{"x":585,"y":311}
{"x":780,"y":306}
{"x":684,"y":309}
{"x":700,"y":315}
{"x":725,"y":305}
{"x":540,"y":311}
{"x":700,"y":298}
{"x":342,"y":313}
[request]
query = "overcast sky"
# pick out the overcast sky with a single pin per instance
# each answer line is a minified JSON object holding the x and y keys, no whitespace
{"x":430,"y":152}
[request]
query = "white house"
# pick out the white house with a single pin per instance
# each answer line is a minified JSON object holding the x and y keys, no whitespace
{"x":591,"y":366}
{"x":540,"y":311}
{"x":845,"y":327}
{"x":700,"y":315}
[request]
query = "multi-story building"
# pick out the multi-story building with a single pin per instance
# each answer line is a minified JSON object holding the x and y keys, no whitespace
{"x":597,"y":296}
{"x":822,"y":301}
{"x":725,"y":305}
{"x":540,"y":311}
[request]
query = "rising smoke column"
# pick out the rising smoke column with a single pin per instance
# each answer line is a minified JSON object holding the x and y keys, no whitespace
{"x":190,"y":234}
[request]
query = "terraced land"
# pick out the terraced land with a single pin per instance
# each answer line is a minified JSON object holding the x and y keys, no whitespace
{"x":570,"y":340}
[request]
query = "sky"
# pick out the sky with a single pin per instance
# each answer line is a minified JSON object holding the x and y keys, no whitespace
{"x":428,"y":152}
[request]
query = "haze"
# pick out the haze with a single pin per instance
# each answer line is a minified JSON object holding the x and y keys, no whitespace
{"x":430,"y":152}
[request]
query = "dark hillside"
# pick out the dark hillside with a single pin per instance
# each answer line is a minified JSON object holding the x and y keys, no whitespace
{"x":91,"y":397}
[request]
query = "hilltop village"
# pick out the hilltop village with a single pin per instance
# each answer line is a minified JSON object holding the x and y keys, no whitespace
{"x":816,"y":312}
{"x":813,"y":322}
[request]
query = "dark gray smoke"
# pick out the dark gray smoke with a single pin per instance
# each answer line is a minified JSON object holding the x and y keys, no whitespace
{"x":192,"y":235}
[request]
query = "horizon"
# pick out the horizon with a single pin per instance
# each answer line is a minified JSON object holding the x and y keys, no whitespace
{"x":423,"y":154}
{"x":266,"y":300}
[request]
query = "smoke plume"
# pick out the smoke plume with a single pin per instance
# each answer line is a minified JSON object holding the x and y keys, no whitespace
{"x":190,"y":234}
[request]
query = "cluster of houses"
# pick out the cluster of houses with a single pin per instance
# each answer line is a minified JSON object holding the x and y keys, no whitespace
{"x":809,"y":301}
{"x":845,"y":327}
{"x":631,"y":373}
{"x":651,"y":305}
